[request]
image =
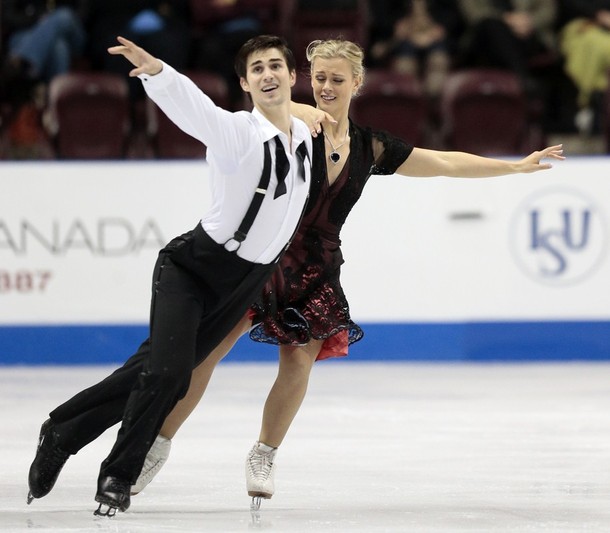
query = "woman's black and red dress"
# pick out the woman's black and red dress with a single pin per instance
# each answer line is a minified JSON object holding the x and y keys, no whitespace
{"x":304,"y":299}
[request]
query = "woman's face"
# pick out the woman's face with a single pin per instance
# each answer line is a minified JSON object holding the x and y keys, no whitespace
{"x":333,"y":85}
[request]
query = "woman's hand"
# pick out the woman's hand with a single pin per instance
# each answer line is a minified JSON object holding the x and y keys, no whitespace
{"x":140,"y":58}
{"x":532,"y":162}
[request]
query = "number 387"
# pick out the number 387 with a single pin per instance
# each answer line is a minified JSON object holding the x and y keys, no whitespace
{"x":24,"y":281}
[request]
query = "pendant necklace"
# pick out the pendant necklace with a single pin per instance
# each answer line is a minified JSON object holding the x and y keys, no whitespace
{"x":335,"y":156}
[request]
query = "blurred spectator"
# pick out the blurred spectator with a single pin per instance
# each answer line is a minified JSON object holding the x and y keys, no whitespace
{"x":585,"y":44}
{"x":327,"y":4}
{"x":382,"y":15}
{"x":160,"y":26}
{"x":422,"y":42}
{"x":327,"y":19}
{"x":43,"y":39}
{"x":223,"y":26}
{"x":508,"y":33}
{"x":25,"y":137}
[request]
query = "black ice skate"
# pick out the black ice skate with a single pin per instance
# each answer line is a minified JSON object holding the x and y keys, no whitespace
{"x":112,"y":495}
{"x":47,"y":464}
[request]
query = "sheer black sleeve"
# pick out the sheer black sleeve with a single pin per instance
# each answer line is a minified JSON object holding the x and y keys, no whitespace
{"x":394,"y":152}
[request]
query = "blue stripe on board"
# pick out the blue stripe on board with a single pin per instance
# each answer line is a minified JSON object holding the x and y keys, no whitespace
{"x":471,"y":341}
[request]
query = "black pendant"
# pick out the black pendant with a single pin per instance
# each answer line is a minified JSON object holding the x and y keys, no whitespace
{"x":334,"y":157}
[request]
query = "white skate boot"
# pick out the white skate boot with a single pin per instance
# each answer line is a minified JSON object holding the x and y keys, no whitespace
{"x":260,"y":469}
{"x":155,"y":459}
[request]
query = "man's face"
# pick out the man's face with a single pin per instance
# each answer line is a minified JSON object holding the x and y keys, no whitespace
{"x":268,"y":79}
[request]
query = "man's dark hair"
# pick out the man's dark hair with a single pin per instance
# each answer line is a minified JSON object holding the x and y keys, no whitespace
{"x":259,"y":43}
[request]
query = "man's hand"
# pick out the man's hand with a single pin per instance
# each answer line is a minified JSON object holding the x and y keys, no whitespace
{"x":312,"y":116}
{"x":520,"y":23}
{"x":140,"y":58}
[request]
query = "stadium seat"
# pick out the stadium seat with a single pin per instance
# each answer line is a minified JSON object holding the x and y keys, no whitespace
{"x":485,"y":111}
{"x":302,"y":91}
{"x":274,"y":15}
{"x":88,"y":115}
{"x":393,"y":102}
{"x":169,"y":141}
{"x":313,"y":20}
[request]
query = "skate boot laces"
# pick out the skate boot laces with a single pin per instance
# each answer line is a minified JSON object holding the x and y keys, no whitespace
{"x":260,"y":465}
{"x":155,"y":459}
{"x":55,"y":459}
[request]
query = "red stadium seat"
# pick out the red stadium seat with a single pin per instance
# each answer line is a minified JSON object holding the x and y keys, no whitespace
{"x":273,"y":14}
{"x":484,"y":111}
{"x":169,"y":141}
{"x":88,"y":115}
{"x":308,"y":24}
{"x":393,"y":102}
{"x":302,"y":91}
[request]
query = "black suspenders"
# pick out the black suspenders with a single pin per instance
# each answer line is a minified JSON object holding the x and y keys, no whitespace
{"x":259,"y":194}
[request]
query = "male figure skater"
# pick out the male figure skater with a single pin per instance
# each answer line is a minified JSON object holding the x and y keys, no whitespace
{"x":204,"y":280}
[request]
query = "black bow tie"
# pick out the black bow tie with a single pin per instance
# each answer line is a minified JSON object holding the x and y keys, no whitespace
{"x":301,"y":155}
{"x":282,"y":166}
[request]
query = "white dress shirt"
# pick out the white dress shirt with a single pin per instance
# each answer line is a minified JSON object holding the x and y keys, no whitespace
{"x":235,"y":155}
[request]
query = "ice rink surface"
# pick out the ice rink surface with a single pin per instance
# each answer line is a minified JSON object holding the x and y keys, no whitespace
{"x":376,"y":447}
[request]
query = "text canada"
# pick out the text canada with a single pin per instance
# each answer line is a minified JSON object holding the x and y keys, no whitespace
{"x":109,"y":236}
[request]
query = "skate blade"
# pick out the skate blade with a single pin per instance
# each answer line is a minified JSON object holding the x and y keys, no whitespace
{"x":255,"y":519}
{"x":105,"y":511}
{"x":30,"y":498}
{"x":255,"y":504}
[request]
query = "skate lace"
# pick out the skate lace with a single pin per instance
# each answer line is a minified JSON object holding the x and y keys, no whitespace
{"x":152,"y":464}
{"x":260,"y":465}
{"x":54,"y":460}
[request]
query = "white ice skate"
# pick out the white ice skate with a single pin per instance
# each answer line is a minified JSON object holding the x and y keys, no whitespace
{"x":155,"y":459}
{"x":260,"y":470}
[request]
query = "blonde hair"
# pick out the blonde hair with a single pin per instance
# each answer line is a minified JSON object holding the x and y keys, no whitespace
{"x":338,"y":48}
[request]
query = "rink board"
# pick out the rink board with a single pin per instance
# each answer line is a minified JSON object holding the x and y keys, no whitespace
{"x":510,"y":268}
{"x":475,"y":342}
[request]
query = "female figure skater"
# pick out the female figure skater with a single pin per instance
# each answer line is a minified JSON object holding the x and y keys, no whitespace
{"x":303,"y":308}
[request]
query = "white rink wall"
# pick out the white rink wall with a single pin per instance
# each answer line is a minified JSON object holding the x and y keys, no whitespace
{"x":431,"y":264}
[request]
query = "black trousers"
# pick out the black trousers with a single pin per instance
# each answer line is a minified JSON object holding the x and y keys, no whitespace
{"x":200,"y":292}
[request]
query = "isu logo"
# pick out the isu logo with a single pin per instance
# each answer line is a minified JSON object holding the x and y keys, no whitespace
{"x":558,"y":236}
